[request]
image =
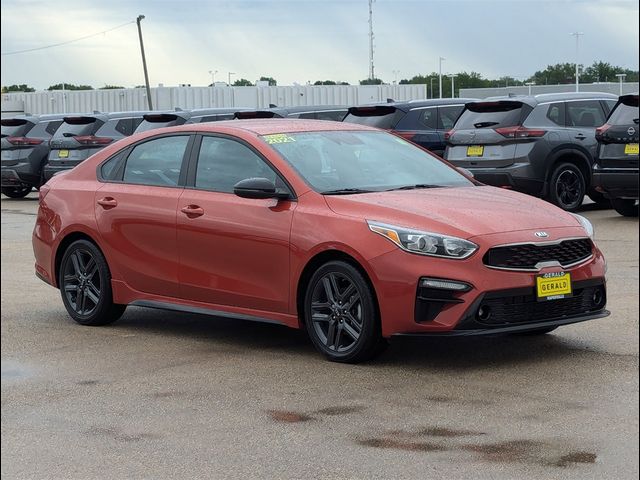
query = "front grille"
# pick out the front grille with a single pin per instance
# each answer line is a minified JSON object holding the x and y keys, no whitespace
{"x":527,"y":256}
{"x":496,"y":310}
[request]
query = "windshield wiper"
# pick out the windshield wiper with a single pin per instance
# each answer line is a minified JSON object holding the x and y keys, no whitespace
{"x":414,"y":187}
{"x":346,"y":191}
{"x":485,"y":124}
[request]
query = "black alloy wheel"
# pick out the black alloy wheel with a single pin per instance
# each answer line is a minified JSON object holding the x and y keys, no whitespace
{"x":16,"y":192}
{"x":341,"y":315}
{"x":85,"y":285}
{"x":567,"y":187}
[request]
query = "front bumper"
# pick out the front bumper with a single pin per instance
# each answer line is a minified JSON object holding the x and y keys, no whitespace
{"x":616,"y":183}
{"x":397,"y":274}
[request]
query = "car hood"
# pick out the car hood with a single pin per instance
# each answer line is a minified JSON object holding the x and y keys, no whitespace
{"x":461,"y":211}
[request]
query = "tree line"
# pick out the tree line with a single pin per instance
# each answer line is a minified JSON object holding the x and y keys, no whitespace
{"x":561,"y":73}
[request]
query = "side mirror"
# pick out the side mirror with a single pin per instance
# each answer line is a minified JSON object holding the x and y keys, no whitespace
{"x":257,"y":188}
{"x":466,"y":172}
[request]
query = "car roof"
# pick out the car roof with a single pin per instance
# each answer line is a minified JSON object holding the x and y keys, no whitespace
{"x":136,"y":114}
{"x":405,"y":106}
{"x":314,"y":108}
{"x":261,"y":126}
{"x":534,"y":100}
{"x":199,"y":112}
{"x":178,"y":112}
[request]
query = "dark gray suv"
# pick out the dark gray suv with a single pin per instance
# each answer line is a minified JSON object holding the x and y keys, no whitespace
{"x":543,"y":145}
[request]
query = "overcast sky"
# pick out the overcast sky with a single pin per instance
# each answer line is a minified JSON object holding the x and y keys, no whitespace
{"x":307,"y":40}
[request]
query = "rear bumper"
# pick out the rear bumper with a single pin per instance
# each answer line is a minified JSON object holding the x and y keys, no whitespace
{"x":23,"y":173}
{"x":616,"y":183}
{"x":519,"y":176}
{"x":50,"y":170}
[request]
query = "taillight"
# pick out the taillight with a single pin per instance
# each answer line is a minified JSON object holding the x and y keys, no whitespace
{"x":407,"y":135}
{"x":600,"y":131}
{"x":24,"y":141}
{"x":92,"y":140}
{"x":448,"y":134}
{"x":42,"y":192}
{"x":520,"y":132}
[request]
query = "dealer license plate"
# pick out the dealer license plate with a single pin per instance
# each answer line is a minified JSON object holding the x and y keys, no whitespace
{"x":631,"y":149}
{"x":63,"y":153}
{"x":553,"y":286}
{"x":475,"y":150}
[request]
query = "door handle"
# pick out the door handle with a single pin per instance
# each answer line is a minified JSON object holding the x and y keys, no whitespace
{"x":192,"y":211}
{"x":107,"y":202}
{"x":581,"y":136}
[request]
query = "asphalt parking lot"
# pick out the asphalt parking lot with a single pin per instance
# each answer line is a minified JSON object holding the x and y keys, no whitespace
{"x":167,"y":395}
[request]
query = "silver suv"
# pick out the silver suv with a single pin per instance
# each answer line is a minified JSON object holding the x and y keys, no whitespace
{"x":543,"y":145}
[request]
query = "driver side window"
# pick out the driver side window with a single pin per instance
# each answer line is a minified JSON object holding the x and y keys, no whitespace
{"x":223,"y":162}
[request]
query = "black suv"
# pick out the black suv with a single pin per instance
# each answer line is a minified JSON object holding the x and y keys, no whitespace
{"x":543,"y":145}
{"x":80,"y":136}
{"x":423,"y":122}
{"x":25,"y":148}
{"x":615,"y":171}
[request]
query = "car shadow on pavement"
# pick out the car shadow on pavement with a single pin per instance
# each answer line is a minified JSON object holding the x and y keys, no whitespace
{"x":451,"y":353}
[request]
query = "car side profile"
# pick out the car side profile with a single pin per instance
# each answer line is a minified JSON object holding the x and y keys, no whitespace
{"x":424,"y":122}
{"x":347,"y":231}
{"x":615,"y":171}
{"x":543,"y":145}
{"x":25,"y":149}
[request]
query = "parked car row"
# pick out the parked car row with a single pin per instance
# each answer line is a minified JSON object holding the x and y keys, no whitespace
{"x":554,"y":146}
{"x":34,"y":148}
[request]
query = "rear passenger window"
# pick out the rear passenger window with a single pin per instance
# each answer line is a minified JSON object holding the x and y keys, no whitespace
{"x":586,"y":113}
{"x":156,"y":162}
{"x":222,"y":163}
{"x":428,"y":118}
{"x":448,"y":116}
{"x":555,"y":113}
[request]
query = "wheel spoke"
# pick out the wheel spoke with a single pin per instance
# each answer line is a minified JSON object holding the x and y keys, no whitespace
{"x":93,"y":294}
{"x":91,"y":268}
{"x":352,"y":301}
{"x":70,"y":288}
{"x":320,"y":317}
{"x":75,"y":261}
{"x":320,"y":305}
{"x":331,"y":333}
{"x":352,"y":332}
{"x":347,"y":292}
{"x":80,"y":301}
{"x":338,"y":336}
{"x":328,"y":288}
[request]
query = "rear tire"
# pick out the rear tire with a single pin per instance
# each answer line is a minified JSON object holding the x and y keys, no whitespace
{"x":85,"y":285}
{"x":626,"y":207}
{"x":341,"y":315}
{"x":16,"y":192}
{"x":567,"y":187}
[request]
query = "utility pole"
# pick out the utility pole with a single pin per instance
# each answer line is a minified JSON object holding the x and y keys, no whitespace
{"x":577,"y":35}
{"x":371,"y":72}
{"x":453,"y":86}
{"x":213,"y":77}
{"x":621,"y":79}
{"x":144,"y":63}
{"x":395,"y":74}
{"x":440,"y":76}
{"x":230,"y":73}
{"x":431,"y":82}
{"x":530,"y":84}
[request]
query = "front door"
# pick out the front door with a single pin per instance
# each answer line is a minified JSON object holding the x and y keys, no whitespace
{"x":233,"y":251}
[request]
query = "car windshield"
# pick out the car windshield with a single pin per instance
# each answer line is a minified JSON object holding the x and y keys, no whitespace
{"x":350,"y":162}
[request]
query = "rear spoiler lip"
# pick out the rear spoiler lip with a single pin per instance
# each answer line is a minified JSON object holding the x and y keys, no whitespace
{"x":476,"y":106}
{"x":159,"y":117}
{"x":373,"y":110}
{"x":630,"y":99}
{"x":249,"y":114}
{"x":80,"y":120}
{"x":13,"y":122}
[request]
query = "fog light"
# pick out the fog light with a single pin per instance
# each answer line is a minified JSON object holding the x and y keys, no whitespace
{"x":441,"y":284}
{"x":597,"y":298}
{"x":484,"y":313}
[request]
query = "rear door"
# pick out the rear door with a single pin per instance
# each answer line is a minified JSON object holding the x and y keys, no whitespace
{"x":481,"y":136}
{"x":233,"y":251}
{"x":136,"y":212}
{"x":583,"y":116}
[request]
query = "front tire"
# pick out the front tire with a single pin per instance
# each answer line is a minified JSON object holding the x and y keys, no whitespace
{"x":341,"y":315}
{"x":627,"y":207}
{"x":85,"y":285}
{"x":16,"y":192}
{"x":567,"y":187}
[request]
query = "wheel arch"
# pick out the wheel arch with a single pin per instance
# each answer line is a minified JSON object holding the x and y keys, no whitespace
{"x":320,"y":259}
{"x":577,"y":157}
{"x":67,"y":240}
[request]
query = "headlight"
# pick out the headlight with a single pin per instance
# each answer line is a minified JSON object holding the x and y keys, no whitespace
{"x":424,"y":243}
{"x":586,"y":224}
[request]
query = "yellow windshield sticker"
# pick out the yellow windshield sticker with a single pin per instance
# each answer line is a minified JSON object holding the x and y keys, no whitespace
{"x":278,"y":138}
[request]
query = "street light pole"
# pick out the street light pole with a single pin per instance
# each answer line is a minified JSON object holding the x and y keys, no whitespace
{"x":440,"y":76}
{"x":144,"y":63}
{"x":213,"y":77}
{"x":395,"y":74}
{"x":230,"y":73}
{"x":621,"y":77}
{"x":453,"y":89}
{"x":530,"y":84}
{"x":577,"y":35}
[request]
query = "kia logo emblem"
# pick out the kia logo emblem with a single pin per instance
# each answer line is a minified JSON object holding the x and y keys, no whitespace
{"x":541,"y":234}
{"x":631,"y":131}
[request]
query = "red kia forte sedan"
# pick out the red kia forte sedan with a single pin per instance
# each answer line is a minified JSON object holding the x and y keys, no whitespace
{"x":347,"y":231}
